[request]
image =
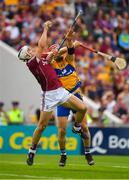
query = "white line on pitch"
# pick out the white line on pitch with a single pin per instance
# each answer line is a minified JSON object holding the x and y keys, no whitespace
{"x":35,"y":177}
{"x":82,"y":165}
{"x":28,"y":176}
{"x":113,"y":166}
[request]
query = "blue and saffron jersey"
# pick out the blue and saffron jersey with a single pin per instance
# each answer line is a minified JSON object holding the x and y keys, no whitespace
{"x":66,"y":71}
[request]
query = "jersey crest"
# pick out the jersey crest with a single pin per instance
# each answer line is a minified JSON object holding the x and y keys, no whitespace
{"x":69,"y":69}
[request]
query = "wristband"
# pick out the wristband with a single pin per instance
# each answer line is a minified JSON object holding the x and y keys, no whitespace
{"x":71,"y":50}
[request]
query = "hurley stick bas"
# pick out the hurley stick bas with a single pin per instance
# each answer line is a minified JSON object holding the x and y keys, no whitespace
{"x":121,"y":63}
{"x":73,"y":24}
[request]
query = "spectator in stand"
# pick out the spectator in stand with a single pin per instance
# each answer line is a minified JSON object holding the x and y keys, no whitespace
{"x":16,"y":115}
{"x":120,"y":107}
{"x":80,"y":5}
{"x":69,"y":8}
{"x":121,"y":3}
{"x":11,"y":33}
{"x":4,"y":118}
{"x":113,"y":18}
{"x":125,"y":93}
{"x":123,"y":41}
{"x":125,"y":118}
{"x":108,"y":101}
{"x":106,"y":46}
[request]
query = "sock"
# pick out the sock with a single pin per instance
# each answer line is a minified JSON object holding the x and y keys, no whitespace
{"x":34,"y":146}
{"x":77,"y":124}
{"x":32,"y":152}
{"x":63,"y":151}
{"x":77,"y":127}
{"x":86,"y":150}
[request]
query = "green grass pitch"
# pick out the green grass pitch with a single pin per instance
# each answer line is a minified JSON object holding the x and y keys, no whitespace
{"x":46,"y":167}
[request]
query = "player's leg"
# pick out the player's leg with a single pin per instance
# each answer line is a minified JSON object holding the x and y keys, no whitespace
{"x":86,"y":138}
{"x":78,"y":105}
{"x":43,"y":121}
{"x":62,"y":124}
{"x":62,"y":115}
{"x":70,"y":101}
{"x":87,"y":143}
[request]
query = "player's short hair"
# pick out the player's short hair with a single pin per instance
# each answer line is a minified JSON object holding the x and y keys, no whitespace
{"x":53,"y":46}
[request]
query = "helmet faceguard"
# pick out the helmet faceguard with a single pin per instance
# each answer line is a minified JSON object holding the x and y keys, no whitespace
{"x":23,"y":54}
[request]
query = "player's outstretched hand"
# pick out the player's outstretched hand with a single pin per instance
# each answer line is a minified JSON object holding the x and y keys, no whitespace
{"x":51,"y":56}
{"x":48,"y":24}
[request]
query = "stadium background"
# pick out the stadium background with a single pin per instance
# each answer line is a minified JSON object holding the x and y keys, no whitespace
{"x":103,"y":26}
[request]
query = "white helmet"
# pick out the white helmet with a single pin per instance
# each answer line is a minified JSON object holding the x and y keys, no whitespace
{"x":23,"y":53}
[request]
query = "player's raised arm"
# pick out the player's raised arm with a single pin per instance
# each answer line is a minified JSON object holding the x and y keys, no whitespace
{"x":77,"y":44}
{"x":42,"y":43}
{"x":70,"y":45}
{"x":69,"y":49}
{"x":69,"y":42}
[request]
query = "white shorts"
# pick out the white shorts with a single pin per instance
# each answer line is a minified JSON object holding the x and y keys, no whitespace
{"x":53,"y":98}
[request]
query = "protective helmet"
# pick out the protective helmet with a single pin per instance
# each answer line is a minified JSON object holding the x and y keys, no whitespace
{"x":23,"y":53}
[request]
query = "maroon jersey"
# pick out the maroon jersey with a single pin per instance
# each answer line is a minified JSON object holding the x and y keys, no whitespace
{"x":44,"y":73}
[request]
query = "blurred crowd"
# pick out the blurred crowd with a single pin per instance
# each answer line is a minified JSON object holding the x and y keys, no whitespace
{"x":14,"y":116}
{"x":103,"y":26}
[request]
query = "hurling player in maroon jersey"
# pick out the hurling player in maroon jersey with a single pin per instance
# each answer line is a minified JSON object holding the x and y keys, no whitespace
{"x":53,"y":92}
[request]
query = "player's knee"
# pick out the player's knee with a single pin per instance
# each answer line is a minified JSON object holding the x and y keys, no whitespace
{"x":41,"y":127}
{"x":83,"y":109}
{"x":62,"y":132}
